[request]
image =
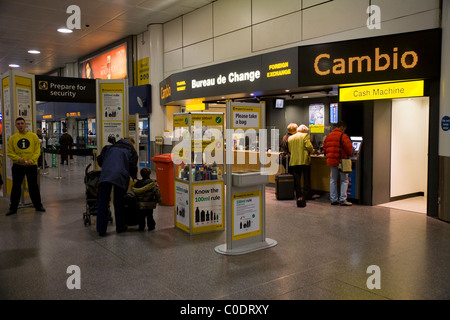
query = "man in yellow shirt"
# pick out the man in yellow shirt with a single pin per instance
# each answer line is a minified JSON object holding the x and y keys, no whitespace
{"x":24,"y":149}
{"x":300,"y":147}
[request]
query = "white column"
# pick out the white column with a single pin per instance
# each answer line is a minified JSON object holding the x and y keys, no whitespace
{"x":71,"y":70}
{"x":158,"y":115}
{"x":444,"y":136}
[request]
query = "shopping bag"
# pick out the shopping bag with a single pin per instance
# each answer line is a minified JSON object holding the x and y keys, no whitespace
{"x":345,"y":165}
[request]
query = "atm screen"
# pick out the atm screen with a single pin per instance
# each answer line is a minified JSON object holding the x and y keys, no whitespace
{"x":356,"y":142}
{"x":356,"y":146}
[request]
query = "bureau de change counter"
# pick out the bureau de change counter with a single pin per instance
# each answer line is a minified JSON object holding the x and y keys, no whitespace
{"x":245,"y":161}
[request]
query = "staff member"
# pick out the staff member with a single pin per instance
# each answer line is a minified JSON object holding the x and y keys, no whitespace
{"x":24,"y":149}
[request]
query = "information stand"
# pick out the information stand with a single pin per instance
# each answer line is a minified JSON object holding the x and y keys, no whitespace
{"x":245,"y":192}
{"x":18,"y":100}
{"x":112,"y":111}
{"x":198,"y":166}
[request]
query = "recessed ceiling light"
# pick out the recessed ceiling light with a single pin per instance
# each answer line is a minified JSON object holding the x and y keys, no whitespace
{"x":64,"y":30}
{"x":13,"y":65}
{"x":34,"y":51}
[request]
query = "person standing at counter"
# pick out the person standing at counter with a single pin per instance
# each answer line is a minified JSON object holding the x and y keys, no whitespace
{"x":301,"y":147}
{"x":284,"y":146}
{"x":331,"y":146}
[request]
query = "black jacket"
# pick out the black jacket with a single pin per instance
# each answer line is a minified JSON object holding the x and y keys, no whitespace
{"x":119,"y":163}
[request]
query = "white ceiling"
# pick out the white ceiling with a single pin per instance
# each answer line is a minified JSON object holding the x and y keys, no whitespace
{"x":32,"y":24}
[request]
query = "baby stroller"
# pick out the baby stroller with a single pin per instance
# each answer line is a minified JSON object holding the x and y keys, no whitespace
{"x":91,"y":182}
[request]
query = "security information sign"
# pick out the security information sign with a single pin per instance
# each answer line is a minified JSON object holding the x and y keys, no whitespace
{"x":392,"y":90}
{"x":208,"y":203}
{"x":62,"y":89}
{"x":246,"y":117}
{"x":182,"y":205}
{"x":246,"y":214}
{"x":112,"y":110}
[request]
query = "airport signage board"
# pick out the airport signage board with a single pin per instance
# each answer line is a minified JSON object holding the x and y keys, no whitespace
{"x":414,"y":55}
{"x":392,"y":90}
{"x":65,"y":89}
{"x":258,"y":73}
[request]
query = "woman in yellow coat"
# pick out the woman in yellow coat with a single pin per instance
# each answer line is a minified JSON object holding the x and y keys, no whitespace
{"x":300,"y":147}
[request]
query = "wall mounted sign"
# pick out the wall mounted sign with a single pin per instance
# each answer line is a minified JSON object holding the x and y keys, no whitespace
{"x":413,"y":55}
{"x":317,"y":118}
{"x":392,"y":90}
{"x":264,"y":72}
{"x":445,"y":123}
{"x":108,"y":65}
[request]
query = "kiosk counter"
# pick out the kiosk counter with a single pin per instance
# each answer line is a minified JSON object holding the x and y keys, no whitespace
{"x":245,"y":160}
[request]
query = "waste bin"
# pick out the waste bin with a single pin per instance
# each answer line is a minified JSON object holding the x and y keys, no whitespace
{"x":165,"y":178}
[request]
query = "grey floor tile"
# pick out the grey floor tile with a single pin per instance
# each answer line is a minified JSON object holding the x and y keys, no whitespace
{"x":322,"y":253}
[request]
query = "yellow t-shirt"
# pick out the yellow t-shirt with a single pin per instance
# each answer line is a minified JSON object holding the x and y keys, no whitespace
{"x":26,"y":146}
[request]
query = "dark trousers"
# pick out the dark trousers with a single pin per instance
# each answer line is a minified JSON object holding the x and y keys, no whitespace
{"x":146,"y":214}
{"x":18,"y":173}
{"x":104,"y":197}
{"x":297,"y":172}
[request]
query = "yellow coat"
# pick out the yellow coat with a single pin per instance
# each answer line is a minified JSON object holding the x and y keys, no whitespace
{"x":300,"y":147}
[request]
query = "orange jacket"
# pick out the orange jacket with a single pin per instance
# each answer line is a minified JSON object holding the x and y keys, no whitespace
{"x":331,"y":147}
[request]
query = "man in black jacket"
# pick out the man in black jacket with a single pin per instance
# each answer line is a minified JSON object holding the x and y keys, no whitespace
{"x":119,"y":163}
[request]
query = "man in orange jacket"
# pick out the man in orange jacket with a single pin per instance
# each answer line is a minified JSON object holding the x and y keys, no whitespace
{"x":337,"y":141}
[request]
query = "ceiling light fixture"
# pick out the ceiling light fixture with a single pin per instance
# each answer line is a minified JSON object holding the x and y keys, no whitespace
{"x":13,"y":65}
{"x":34,"y":51}
{"x":64,"y":30}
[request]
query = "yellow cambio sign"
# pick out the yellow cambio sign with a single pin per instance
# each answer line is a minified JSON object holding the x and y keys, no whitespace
{"x":382,"y":91}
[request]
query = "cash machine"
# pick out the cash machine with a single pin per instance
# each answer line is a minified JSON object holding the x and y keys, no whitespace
{"x":354,"y":178}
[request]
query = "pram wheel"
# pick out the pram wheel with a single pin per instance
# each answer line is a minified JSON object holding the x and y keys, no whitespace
{"x":86,"y":219}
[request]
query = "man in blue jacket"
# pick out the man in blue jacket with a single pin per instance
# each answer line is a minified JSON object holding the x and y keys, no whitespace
{"x":119,"y":163}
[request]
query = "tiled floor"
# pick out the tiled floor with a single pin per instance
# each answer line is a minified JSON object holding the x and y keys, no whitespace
{"x":415,"y":204}
{"x":323,"y":252}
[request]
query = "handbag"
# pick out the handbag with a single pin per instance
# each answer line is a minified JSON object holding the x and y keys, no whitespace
{"x":345,"y":165}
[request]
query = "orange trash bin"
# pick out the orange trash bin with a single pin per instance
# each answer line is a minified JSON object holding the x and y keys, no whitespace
{"x":165,"y":178}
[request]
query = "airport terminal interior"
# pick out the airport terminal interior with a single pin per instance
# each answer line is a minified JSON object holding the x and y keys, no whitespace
{"x":164,"y":72}
{"x":323,"y":252}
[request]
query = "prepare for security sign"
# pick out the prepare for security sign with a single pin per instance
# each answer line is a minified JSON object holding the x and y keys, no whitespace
{"x":392,"y":90}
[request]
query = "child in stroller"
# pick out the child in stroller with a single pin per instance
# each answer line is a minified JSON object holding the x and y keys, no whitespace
{"x":147,"y":197}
